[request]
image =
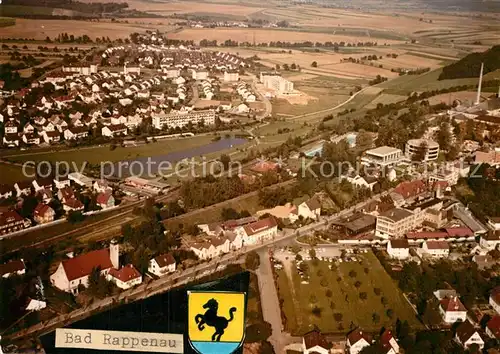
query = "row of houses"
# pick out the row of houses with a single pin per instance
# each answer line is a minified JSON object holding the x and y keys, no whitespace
{"x":230,"y":236}
{"x":46,"y":190}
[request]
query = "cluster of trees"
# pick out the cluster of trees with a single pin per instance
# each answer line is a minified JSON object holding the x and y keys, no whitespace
{"x":484,"y":189}
{"x":378,"y":79}
{"x":410,"y":72}
{"x":65,"y":38}
{"x":280,"y":44}
{"x":470,"y":66}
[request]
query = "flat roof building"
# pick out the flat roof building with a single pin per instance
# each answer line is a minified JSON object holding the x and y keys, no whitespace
{"x":382,"y":156}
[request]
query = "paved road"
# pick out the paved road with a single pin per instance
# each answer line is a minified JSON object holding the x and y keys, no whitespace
{"x":269,"y":300}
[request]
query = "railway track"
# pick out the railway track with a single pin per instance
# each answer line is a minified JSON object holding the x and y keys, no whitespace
{"x":96,"y":231}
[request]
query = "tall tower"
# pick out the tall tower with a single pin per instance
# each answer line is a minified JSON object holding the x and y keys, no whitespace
{"x":478,"y":98}
{"x":114,"y":254}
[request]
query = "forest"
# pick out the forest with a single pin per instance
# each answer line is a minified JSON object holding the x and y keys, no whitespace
{"x":470,"y":66}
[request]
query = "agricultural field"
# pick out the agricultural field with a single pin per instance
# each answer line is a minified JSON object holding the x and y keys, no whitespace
{"x":40,"y":29}
{"x":4,"y":21}
{"x":385,"y":98}
{"x":341,"y":295}
{"x":408,"y":61}
{"x":267,"y":35}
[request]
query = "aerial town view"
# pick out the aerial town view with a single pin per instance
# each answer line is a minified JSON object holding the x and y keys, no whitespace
{"x":233,"y":176}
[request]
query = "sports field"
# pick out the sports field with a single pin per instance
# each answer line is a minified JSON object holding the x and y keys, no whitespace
{"x":357,"y":293}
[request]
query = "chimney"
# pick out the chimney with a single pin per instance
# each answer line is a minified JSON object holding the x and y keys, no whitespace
{"x":114,"y":254}
{"x":478,"y":98}
{"x":1,"y":351}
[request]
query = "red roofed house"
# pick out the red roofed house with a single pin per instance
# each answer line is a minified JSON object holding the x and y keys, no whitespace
{"x":493,"y":327}
{"x":105,"y":200}
{"x":452,"y":310}
{"x":264,"y":166}
{"x":357,"y":340}
{"x":315,"y":342}
{"x":467,"y":335}
{"x":12,"y":268}
{"x":409,"y":190}
{"x":162,"y":264}
{"x":72,"y":204}
{"x":75,"y":271}
{"x":436,"y":249}
{"x":43,"y":213}
{"x":388,"y":343}
{"x":265,"y":229}
{"x":11,"y":221}
{"x":495,"y":299}
{"x":126,"y":277}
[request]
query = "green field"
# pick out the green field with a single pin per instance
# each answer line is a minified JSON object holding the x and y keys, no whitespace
{"x":96,"y":155}
{"x":344,"y":299}
{"x":10,"y":174}
{"x":403,"y":85}
{"x":4,"y":21}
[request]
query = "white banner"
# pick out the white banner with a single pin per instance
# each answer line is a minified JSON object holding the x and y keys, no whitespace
{"x":118,"y":340}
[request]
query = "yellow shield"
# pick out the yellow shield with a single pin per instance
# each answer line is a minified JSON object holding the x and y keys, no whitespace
{"x":216,"y":321}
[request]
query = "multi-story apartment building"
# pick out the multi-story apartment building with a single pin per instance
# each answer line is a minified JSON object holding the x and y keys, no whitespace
{"x":414,"y":146}
{"x":182,"y":118}
{"x":276,"y":82}
{"x":394,"y":223}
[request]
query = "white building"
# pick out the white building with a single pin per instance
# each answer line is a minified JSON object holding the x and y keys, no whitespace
{"x":398,"y":249}
{"x":84,"y":70}
{"x":436,"y":249}
{"x":314,"y":343}
{"x":357,"y":340}
{"x":80,"y":179}
{"x":414,"y":146}
{"x":76,"y":133}
{"x":76,"y":271}
{"x":490,"y":240}
{"x":231,"y":76}
{"x":259,"y":231}
{"x":452,"y":310}
{"x":310,"y":209}
{"x":467,"y":335}
{"x":394,"y":223}
{"x":199,"y":75}
{"x":382,"y":156}
{"x":276,"y":82}
{"x":114,"y":130}
{"x":125,"y":278}
{"x":182,"y":118}
{"x":162,"y":264}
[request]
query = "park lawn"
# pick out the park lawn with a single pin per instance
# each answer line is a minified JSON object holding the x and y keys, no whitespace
{"x":96,"y":155}
{"x":10,"y":174}
{"x":345,"y":298}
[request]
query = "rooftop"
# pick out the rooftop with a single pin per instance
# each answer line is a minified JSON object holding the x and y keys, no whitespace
{"x":383,"y":150}
{"x":396,"y":214}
